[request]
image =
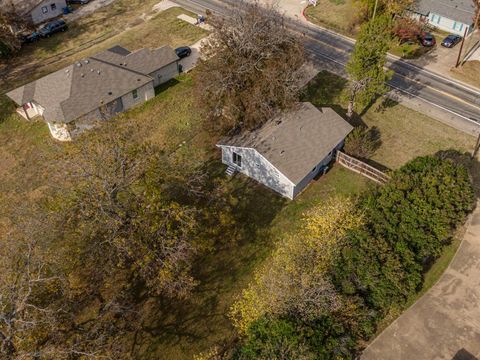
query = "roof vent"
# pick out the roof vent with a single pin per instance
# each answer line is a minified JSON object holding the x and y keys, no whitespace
{"x":67,"y":71}
{"x":98,"y":72}
{"x":92,"y":70}
{"x":87,"y":61}
{"x":278,"y":122}
{"x":82,"y":75}
{"x":110,"y":93}
{"x":139,"y":80}
{"x":282,"y":152}
{"x":79,"y":64}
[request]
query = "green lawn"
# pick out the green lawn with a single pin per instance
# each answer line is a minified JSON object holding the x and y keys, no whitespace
{"x":181,"y":328}
{"x":405,"y":133}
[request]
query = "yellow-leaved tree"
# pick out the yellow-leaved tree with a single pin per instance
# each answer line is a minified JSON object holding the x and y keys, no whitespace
{"x":293,"y":280}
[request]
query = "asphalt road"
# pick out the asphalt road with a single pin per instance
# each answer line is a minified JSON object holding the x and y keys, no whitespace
{"x":459,"y":102}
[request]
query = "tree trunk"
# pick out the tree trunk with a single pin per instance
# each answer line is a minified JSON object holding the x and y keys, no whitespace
{"x":351,"y":104}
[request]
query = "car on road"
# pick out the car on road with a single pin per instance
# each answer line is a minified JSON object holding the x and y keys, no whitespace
{"x":427,"y":40}
{"x":451,"y":40}
{"x":81,"y":2}
{"x":53,"y":28}
{"x":183,"y":52}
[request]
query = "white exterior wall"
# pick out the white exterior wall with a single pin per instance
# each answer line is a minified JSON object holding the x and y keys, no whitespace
{"x":59,"y":131}
{"x":164,"y":74}
{"x":449,"y":25}
{"x":146,"y":92}
{"x":38,"y":16}
{"x":254,"y":165}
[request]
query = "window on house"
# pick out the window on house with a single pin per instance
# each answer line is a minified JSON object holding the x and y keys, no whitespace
{"x":237,"y":159}
{"x":53,"y":6}
{"x":457,"y":26}
{"x":135,"y":94}
{"x":44,"y":9}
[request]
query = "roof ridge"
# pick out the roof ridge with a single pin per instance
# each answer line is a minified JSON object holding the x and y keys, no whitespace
{"x":120,"y":67}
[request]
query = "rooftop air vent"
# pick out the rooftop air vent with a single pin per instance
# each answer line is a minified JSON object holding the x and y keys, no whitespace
{"x":278,"y":122}
{"x":87,"y":61}
{"x":98,"y":72}
{"x":110,"y":93}
{"x":82,"y":75}
{"x":282,"y":152}
{"x":79,"y":64}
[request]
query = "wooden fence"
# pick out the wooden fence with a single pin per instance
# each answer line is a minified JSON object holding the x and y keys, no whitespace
{"x":361,"y":168}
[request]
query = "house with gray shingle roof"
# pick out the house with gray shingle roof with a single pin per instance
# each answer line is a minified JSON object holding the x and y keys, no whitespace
{"x":287,"y":152}
{"x":77,"y":97}
{"x":453,"y":16}
{"x":37,"y":11}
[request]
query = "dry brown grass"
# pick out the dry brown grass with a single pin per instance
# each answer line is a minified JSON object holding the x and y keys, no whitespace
{"x":339,"y":15}
{"x":469,"y":73}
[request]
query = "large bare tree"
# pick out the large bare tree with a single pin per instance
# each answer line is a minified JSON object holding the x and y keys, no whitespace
{"x":252,"y":67}
{"x":11,"y":24}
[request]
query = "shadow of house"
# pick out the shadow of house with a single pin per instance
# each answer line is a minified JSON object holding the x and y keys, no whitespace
{"x":290,"y":150}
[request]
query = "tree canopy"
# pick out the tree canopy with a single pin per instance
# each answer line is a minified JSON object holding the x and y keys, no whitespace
{"x":251,"y":69}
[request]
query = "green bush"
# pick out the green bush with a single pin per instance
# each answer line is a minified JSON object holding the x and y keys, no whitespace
{"x":286,"y":338}
{"x":409,"y":220}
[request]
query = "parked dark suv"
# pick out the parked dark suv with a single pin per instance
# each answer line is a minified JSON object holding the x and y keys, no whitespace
{"x":52,"y":28}
{"x":451,"y":40}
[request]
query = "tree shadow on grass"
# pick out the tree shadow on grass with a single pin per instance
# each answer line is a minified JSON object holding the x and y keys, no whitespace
{"x":202,"y":319}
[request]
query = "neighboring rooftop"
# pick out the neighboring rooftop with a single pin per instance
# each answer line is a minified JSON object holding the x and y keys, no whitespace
{"x":458,"y":10}
{"x":88,"y":84}
{"x":144,"y":61}
{"x":296,"y":141}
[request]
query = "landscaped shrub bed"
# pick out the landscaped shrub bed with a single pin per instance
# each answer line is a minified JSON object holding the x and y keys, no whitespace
{"x":352,"y":263}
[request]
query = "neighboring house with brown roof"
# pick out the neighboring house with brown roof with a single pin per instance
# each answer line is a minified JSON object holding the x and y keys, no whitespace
{"x":94,"y":89}
{"x":38,"y":11}
{"x":290,"y":150}
{"x":453,"y":16}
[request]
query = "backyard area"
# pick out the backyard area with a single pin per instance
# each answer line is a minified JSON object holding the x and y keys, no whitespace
{"x":181,"y":329}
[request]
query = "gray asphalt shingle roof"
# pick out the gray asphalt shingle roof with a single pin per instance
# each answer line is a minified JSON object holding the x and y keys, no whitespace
{"x":297,"y":140}
{"x":144,"y":61}
{"x":458,"y":10}
{"x":88,"y":84}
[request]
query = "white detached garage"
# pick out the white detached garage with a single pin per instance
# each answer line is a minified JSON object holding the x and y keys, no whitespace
{"x":287,"y":152}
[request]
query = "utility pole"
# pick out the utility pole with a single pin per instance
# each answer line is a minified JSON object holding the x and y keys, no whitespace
{"x":475,"y":24}
{"x":477,"y":147}
{"x":461,"y":47}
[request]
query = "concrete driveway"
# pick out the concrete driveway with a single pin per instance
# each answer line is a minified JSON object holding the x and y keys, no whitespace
{"x":445,"y":323}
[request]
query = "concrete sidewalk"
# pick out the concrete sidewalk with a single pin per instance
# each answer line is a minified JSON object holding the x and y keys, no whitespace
{"x":445,"y":323}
